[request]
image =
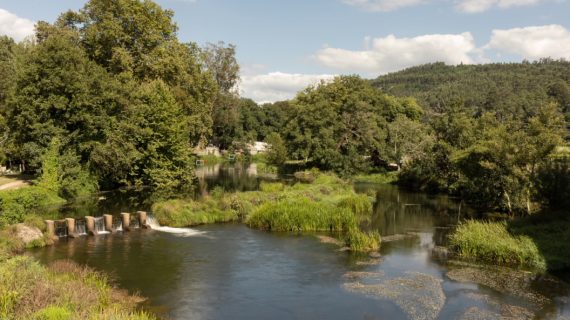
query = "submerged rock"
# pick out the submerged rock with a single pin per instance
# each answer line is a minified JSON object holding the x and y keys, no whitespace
{"x":331,"y":240}
{"x":419,"y":295}
{"x":507,"y":281}
{"x":399,"y":237}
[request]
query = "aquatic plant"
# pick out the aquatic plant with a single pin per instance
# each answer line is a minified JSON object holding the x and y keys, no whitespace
{"x":359,"y":204}
{"x":300,"y":214}
{"x":186,"y":213}
{"x":492,"y":242}
{"x":357,"y":240}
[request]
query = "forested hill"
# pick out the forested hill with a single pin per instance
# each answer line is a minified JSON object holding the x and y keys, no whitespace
{"x":507,"y":88}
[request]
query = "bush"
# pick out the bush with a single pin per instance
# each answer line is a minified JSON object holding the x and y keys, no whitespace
{"x":16,"y":204}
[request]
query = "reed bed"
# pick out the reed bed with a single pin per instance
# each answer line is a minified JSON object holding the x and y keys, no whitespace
{"x":326,"y":204}
{"x":493,"y":242}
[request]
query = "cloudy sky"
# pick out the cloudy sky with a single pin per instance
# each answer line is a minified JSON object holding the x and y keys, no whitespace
{"x":284,"y":45}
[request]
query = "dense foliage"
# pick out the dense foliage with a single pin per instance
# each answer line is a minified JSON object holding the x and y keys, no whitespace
{"x":125,"y":99}
{"x":339,"y":125}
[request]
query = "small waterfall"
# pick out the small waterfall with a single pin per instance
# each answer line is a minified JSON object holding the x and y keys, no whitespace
{"x":100,"y":225}
{"x":118,"y":225}
{"x":135,"y":223}
{"x":61,"y":229}
{"x":184,"y":232}
{"x":80,"y":227}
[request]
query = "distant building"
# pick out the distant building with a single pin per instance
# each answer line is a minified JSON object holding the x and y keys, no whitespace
{"x":209,"y":150}
{"x":257,"y":147}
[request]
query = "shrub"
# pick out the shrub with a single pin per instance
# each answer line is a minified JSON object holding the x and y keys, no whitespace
{"x":16,"y":204}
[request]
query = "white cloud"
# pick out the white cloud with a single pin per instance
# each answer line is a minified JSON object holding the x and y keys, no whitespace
{"x":533,"y":42}
{"x":277,"y":86}
{"x":382,"y":5}
{"x":14,"y":26}
{"x":382,"y":55}
{"x":474,"y":6}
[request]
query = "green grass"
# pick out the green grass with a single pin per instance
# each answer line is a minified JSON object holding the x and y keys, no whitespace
{"x":62,"y":291}
{"x":326,"y":204}
{"x":300,"y":215}
{"x":212,"y":159}
{"x":186,"y":213}
{"x":493,"y":242}
{"x":379,"y":178}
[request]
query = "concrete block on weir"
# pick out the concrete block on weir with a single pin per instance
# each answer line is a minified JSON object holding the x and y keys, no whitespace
{"x":90,"y":225}
{"x":71,"y":232}
{"x":142,"y":219}
{"x":108,"y":219}
{"x":50,"y":229}
{"x":126,"y":219}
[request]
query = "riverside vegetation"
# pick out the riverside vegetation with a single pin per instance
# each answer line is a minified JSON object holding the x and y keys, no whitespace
{"x":327,"y":204}
{"x":108,"y":96}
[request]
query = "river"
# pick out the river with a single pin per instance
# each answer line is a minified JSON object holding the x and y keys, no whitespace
{"x":229,"y":271}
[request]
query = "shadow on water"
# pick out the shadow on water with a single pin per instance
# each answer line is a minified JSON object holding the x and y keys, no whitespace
{"x":550,"y":231}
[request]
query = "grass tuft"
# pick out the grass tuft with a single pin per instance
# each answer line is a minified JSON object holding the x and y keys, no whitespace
{"x":492,"y":242}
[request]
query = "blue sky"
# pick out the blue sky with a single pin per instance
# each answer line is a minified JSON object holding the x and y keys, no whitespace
{"x":285,"y":45}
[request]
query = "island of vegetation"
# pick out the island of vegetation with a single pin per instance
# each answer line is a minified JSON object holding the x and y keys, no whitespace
{"x":108,"y":97}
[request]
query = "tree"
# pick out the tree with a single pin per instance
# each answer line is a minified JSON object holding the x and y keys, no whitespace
{"x":338,"y":125}
{"x":150,"y":146}
{"x":221,"y":62}
{"x":277,"y":153}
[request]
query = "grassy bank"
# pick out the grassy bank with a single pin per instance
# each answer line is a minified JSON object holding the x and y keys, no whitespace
{"x":380,"y":178}
{"x":541,"y":242}
{"x":61,"y":291}
{"x":327,"y":204}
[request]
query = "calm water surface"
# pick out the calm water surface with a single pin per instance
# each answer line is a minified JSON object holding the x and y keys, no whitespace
{"x":232,"y":272}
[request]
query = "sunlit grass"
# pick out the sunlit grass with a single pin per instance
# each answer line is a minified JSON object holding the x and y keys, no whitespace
{"x":63,"y":290}
{"x":492,"y":242}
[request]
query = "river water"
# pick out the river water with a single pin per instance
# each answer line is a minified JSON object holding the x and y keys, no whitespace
{"x":229,"y":271}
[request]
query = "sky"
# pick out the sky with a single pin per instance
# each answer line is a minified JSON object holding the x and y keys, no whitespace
{"x":285,"y":45}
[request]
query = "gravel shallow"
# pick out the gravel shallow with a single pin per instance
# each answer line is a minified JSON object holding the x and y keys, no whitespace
{"x":419,"y":295}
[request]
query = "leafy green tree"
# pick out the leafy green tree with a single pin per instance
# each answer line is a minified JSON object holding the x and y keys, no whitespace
{"x":59,"y":93}
{"x":277,"y":153}
{"x":220,"y":61}
{"x":338,"y":125}
{"x":150,"y":146}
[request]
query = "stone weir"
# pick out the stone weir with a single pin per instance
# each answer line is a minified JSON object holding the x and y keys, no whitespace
{"x":94,"y":226}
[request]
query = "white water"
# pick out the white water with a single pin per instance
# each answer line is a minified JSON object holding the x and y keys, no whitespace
{"x":80,"y":228}
{"x":100,"y":226}
{"x":183,"y":232}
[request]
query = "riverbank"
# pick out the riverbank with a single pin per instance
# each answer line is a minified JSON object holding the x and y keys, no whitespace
{"x":326,"y":204}
{"x":540,"y":242}
{"x":62,"y":290}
